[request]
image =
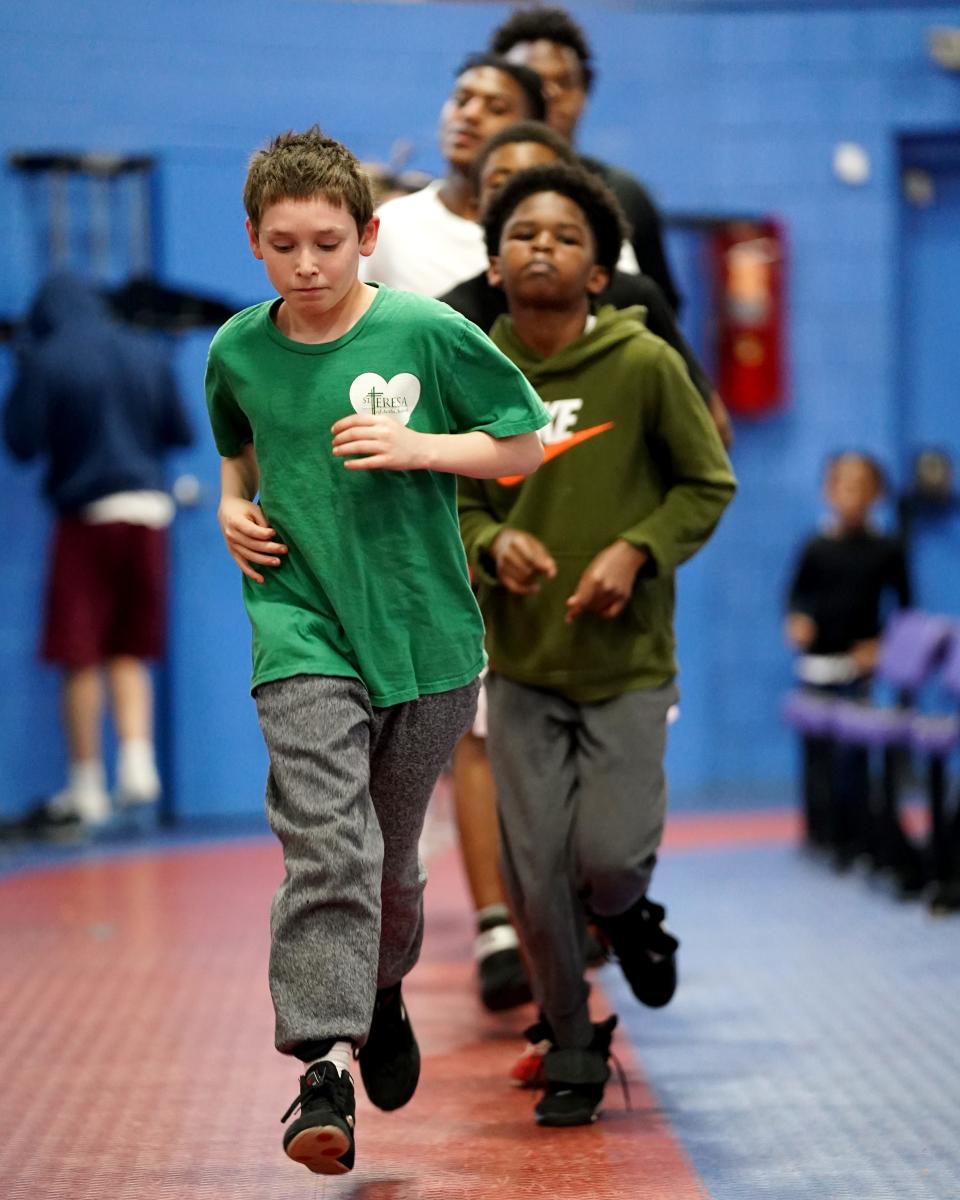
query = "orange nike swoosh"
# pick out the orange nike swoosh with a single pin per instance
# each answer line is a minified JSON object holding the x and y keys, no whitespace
{"x":555,"y":449}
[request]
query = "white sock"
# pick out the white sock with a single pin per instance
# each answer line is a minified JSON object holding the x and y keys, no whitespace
{"x":88,"y":775}
{"x":86,"y":792}
{"x":341,"y":1055}
{"x":493,"y":914}
{"x":137,"y":778}
{"x":492,"y":941}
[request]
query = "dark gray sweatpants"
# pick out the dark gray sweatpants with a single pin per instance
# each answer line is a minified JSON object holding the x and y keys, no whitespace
{"x":346,"y":795}
{"x":581,"y":796}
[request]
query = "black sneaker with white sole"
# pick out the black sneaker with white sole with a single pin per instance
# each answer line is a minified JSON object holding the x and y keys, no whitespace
{"x":322,"y":1135}
{"x":646,"y":951}
{"x":390,"y":1057}
{"x":575,"y":1080}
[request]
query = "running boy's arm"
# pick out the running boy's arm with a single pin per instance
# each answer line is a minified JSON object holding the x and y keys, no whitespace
{"x":491,"y":411}
{"x":700,"y":486}
{"x":387,"y":445}
{"x":700,"y":482}
{"x":248,"y":536}
{"x":496,"y":552}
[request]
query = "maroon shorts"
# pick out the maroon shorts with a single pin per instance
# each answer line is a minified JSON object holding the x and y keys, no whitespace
{"x":106,"y":593}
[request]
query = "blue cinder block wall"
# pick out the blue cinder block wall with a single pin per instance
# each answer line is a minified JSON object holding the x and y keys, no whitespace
{"x":719,"y":110}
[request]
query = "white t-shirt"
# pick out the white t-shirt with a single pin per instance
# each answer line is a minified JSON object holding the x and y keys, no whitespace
{"x":423,"y":247}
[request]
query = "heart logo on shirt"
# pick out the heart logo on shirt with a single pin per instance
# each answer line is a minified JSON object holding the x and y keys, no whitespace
{"x":371,"y":393}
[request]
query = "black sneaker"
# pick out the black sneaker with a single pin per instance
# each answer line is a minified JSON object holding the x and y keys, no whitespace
{"x":48,"y":822}
{"x":390,"y":1057}
{"x":575,"y":1080}
{"x":647,"y":952}
{"x":322,"y":1135}
{"x":503,"y":978}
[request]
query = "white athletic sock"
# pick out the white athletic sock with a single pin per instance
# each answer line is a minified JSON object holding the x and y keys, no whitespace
{"x":88,"y":775}
{"x":492,"y":914}
{"x":86,"y":792}
{"x":137,"y":778}
{"x":341,"y":1055}
{"x":495,"y":932}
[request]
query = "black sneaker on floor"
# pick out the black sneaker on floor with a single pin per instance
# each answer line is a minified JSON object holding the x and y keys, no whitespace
{"x":575,"y":1080}
{"x":647,"y":952}
{"x":322,"y":1135}
{"x":502,"y":976}
{"x":390,"y":1057}
{"x":48,"y":822}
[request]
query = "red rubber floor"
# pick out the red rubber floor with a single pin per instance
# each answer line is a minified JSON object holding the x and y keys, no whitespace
{"x":136,"y":1055}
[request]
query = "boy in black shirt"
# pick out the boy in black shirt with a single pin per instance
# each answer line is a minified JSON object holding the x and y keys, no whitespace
{"x":550,"y":42}
{"x":842,"y":581}
{"x":834,"y":604}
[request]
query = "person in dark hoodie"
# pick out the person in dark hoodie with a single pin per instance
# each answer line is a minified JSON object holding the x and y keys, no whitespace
{"x":533,"y":144}
{"x":98,"y":403}
{"x":576,"y":571}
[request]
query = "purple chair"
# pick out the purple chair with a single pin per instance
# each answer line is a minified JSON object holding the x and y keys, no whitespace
{"x":910,"y":652}
{"x":936,"y":737}
{"x":940,"y":734}
{"x":838,"y":736}
{"x":809,"y":713}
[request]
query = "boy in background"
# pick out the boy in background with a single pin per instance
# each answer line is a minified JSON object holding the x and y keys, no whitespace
{"x":430,"y":239}
{"x":843,"y":578}
{"x":533,"y":144}
{"x":576,"y":572}
{"x":348,"y":409}
{"x":551,"y":43}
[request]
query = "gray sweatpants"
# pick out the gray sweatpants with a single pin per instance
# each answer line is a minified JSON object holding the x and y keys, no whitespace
{"x":581,"y":795}
{"x":347,"y":794}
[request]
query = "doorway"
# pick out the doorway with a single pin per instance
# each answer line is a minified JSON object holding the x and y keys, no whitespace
{"x":929,"y":374}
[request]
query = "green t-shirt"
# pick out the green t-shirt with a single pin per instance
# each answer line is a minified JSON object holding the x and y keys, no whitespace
{"x":375,"y":584}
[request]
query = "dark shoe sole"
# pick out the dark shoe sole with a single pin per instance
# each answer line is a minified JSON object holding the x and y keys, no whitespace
{"x":503,"y":981}
{"x":385,"y":1100}
{"x":502,"y":999}
{"x":567,"y":1120}
{"x":320,"y":1149}
{"x":390,"y":1073}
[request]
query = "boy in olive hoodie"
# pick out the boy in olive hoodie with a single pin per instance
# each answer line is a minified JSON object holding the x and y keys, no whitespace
{"x":575,"y":567}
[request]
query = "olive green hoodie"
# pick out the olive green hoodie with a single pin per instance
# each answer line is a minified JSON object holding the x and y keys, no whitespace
{"x":631,"y":453}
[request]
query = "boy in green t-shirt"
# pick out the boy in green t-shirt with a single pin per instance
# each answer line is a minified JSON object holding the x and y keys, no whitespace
{"x":576,"y":569}
{"x":348,"y":410}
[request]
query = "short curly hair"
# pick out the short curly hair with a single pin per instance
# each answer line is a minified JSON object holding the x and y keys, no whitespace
{"x":545,"y":24}
{"x":298,"y":166}
{"x":597,"y":202}
{"x":528,"y":81}
{"x":523,"y":131}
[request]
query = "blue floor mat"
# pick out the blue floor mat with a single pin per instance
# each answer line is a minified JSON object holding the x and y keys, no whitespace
{"x":812,"y":1051}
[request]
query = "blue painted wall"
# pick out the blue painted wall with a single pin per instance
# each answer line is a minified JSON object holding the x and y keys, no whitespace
{"x":719,"y":110}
